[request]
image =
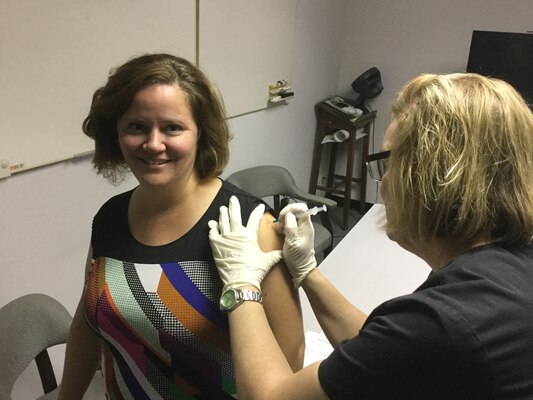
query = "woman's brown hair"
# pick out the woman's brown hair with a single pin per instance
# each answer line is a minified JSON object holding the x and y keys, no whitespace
{"x":111,"y":101}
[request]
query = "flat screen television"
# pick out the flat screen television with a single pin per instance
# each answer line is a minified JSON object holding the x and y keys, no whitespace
{"x":504,"y":55}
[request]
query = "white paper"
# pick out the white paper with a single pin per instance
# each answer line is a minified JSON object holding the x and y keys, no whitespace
{"x":340,"y":136}
{"x":317,"y":347}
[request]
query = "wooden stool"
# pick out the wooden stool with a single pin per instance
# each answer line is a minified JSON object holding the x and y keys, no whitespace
{"x":330,"y":120}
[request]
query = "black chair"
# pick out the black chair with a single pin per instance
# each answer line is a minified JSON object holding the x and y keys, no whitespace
{"x":271,"y":180}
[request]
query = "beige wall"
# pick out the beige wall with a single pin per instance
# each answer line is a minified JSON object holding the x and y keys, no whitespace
{"x":46,"y":213}
{"x":406,"y":37}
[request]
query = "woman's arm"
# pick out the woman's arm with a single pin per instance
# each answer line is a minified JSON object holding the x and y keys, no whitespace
{"x":261,"y":369}
{"x":82,"y":354}
{"x":281,"y":300}
{"x":338,"y":318}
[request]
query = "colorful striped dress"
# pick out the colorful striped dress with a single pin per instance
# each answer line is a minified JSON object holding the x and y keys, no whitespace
{"x":156,"y":308}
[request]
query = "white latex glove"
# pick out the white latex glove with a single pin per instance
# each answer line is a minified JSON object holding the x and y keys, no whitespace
{"x":238,"y":257}
{"x":298,"y":249}
{"x":295,"y":208}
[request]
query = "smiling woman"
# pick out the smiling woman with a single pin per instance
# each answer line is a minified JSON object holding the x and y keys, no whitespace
{"x":150,"y":304}
{"x":158,"y":136}
{"x":113,"y":101}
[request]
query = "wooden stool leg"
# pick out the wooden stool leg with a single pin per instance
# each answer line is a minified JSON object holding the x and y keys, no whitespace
{"x":362,"y":192}
{"x":332,"y":164}
{"x":317,"y":156}
{"x":348,"y":182}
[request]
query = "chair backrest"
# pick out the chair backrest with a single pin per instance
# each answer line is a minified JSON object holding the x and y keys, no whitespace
{"x":276,"y":181}
{"x":264,"y":181}
{"x":28,"y":325}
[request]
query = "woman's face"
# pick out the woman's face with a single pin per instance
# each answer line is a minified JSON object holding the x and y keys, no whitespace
{"x":403,"y":237}
{"x":388,"y":140}
{"x":158,"y":136}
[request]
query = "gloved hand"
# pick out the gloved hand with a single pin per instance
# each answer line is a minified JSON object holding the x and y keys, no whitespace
{"x":298,"y":249}
{"x":236,"y":251}
{"x":298,"y":209}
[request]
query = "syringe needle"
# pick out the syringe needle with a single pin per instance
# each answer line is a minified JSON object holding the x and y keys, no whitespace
{"x":312,"y":211}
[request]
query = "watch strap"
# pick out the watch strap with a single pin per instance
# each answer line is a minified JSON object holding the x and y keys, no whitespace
{"x":232,"y":298}
{"x":250,"y":295}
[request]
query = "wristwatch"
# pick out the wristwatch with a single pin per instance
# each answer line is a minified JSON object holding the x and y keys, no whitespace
{"x":232,"y":298}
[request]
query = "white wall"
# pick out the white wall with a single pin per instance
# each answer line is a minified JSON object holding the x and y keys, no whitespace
{"x":285,"y":135}
{"x":406,"y":37}
{"x":46,"y":213}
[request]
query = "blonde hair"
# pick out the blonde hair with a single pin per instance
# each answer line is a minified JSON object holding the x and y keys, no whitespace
{"x":461,"y":164}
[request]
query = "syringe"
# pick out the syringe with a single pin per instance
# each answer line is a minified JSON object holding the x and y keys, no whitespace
{"x":312,"y":211}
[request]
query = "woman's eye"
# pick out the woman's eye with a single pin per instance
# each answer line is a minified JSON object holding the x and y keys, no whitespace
{"x":173,"y":128}
{"x":135,"y":127}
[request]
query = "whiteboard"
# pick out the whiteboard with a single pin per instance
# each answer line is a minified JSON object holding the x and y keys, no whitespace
{"x":245,"y":45}
{"x":55,"y":53}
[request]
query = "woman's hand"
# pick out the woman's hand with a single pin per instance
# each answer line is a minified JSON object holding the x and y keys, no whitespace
{"x":298,"y":249}
{"x":236,"y":251}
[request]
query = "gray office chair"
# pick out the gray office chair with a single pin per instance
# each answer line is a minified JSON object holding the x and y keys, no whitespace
{"x":29,"y":325}
{"x":271,"y":180}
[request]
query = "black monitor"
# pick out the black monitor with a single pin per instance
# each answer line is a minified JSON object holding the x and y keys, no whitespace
{"x":504,"y":55}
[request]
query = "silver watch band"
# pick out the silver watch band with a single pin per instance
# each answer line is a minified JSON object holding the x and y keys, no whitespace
{"x":251,"y":295}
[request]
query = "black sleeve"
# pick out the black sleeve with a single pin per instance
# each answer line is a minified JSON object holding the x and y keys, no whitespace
{"x":247,"y":201}
{"x":404,"y":351}
{"x":110,"y":225}
{"x":111,"y":235}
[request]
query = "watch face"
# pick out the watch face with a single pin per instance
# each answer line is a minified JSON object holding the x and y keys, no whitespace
{"x":227,"y":300}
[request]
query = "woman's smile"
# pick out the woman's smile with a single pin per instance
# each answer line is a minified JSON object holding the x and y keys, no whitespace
{"x":158,"y":136}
